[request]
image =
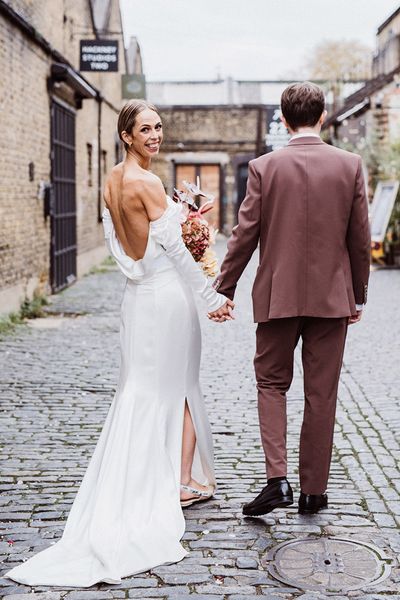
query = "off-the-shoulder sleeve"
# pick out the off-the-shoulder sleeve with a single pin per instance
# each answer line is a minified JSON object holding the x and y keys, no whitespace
{"x":168,"y":233}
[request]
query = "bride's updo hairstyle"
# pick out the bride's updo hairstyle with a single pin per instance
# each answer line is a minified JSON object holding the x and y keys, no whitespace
{"x":128,"y":114}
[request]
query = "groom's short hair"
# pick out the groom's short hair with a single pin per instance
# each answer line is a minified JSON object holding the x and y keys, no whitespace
{"x":302,"y":104}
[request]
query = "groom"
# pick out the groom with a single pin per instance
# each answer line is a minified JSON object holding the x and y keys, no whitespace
{"x":306,"y":207}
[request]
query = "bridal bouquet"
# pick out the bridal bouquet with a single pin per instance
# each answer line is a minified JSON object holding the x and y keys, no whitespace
{"x":198,"y":235}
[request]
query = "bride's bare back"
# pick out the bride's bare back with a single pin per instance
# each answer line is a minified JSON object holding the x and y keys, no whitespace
{"x":134,"y":197}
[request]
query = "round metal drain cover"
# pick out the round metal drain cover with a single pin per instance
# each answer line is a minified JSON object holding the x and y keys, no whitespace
{"x":330,"y":565}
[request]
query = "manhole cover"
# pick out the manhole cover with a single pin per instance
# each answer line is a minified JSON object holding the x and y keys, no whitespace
{"x":330,"y":565}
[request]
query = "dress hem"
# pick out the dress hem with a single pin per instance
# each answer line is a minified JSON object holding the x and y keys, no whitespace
{"x":108,"y":580}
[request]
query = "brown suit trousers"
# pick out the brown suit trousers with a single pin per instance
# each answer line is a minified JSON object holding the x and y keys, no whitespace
{"x":322,"y":353}
{"x":306,"y":207}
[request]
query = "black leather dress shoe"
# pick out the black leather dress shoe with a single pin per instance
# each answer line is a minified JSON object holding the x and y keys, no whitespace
{"x":275,"y":495}
{"x":309,"y":504}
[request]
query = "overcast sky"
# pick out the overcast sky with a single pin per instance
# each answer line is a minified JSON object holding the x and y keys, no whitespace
{"x":246,"y":39}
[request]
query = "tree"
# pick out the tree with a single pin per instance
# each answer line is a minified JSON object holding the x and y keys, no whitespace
{"x":340,"y":60}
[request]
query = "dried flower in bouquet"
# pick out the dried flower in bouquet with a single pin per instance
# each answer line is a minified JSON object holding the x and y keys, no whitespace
{"x":198,"y":235}
{"x":209,"y":262}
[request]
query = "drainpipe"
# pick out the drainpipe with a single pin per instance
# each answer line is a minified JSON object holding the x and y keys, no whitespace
{"x":99,"y":167}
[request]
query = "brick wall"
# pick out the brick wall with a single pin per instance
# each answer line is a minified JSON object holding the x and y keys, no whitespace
{"x":25,"y":130}
{"x":25,"y":127}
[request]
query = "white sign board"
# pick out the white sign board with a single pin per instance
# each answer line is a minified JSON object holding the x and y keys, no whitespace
{"x":381,"y":208}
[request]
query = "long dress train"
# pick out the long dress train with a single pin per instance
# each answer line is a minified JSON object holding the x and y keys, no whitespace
{"x":126,"y":517}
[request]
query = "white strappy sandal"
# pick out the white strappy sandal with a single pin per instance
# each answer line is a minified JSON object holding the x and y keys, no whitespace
{"x":202,"y":495}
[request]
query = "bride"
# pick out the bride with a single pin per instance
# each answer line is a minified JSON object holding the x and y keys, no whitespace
{"x":154,"y":454}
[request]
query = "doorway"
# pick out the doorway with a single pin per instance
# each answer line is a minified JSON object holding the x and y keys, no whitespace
{"x":63,"y":245}
{"x":242,"y":172}
{"x":210,"y":181}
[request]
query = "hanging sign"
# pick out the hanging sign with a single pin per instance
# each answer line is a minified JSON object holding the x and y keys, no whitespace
{"x":99,"y":55}
{"x":277,"y":135}
{"x":133,"y":86}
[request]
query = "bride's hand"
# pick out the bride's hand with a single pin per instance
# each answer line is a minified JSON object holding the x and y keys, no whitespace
{"x":224,"y":313}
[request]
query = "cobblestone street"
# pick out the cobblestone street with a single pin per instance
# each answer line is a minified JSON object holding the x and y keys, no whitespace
{"x":58,"y":376}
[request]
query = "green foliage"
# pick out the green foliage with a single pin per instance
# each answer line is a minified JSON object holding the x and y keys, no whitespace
{"x":393,"y":230}
{"x":104,"y":267}
{"x":96,"y":270}
{"x":29,"y":309}
{"x":8,"y":323}
{"x":388,"y":162}
{"x":383,"y":162}
{"x":109,"y":261}
{"x":32,"y":309}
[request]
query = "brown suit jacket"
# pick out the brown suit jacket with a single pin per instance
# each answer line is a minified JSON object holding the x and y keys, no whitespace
{"x":306,"y":206}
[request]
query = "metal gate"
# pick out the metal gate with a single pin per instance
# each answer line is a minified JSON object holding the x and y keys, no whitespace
{"x":63,"y":203}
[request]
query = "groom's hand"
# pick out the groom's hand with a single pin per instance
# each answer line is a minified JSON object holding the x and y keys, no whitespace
{"x":355,"y":318}
{"x":224,"y":313}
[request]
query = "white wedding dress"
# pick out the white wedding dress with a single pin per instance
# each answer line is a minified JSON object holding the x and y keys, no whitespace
{"x":126,"y":517}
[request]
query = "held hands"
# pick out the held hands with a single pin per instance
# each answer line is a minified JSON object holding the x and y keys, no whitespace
{"x":224,"y":313}
{"x":355,"y":318}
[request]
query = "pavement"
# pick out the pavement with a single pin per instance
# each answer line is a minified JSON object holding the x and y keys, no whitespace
{"x":58,"y":376}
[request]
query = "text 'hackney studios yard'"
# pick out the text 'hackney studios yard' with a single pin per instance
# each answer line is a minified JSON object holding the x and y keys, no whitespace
{"x":99,"y":55}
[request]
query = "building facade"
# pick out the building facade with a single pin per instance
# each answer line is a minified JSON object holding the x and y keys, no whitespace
{"x":387,"y":54}
{"x":369,"y":119}
{"x":368,"y":122}
{"x":212,"y":129}
{"x":59,"y":140}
